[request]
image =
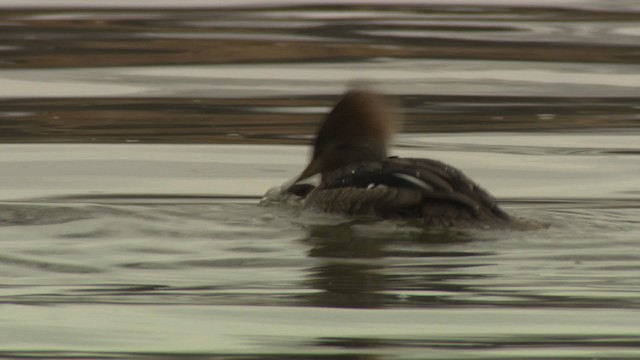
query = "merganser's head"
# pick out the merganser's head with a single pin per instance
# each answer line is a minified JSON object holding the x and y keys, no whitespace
{"x":359,"y":128}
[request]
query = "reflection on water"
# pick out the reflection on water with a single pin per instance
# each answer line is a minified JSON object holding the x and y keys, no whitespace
{"x":317,"y":33}
{"x":285,"y":120}
{"x":115,"y":249}
{"x":188,"y":275}
{"x":246,"y":75}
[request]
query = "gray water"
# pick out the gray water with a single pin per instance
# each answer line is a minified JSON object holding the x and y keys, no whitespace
{"x":137,"y":142}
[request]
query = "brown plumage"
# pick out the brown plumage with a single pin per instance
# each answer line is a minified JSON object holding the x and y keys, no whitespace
{"x":357,"y":177}
{"x":358,"y":128}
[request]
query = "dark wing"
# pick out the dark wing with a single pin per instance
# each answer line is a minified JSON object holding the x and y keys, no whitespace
{"x":430,"y":189}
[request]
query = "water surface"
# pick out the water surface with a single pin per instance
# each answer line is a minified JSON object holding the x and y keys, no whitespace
{"x":136,"y":143}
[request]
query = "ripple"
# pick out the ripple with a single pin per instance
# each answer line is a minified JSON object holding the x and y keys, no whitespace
{"x":110,"y":250}
{"x":47,"y":266}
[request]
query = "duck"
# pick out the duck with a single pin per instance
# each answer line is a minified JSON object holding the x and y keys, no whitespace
{"x":351,"y":172}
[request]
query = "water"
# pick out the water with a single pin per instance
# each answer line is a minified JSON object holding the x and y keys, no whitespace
{"x":137,"y":142}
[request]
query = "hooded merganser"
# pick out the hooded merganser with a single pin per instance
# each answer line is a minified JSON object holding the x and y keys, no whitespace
{"x":350,"y":172}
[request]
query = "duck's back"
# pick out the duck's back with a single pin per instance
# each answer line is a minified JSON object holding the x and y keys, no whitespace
{"x":438,"y":193}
